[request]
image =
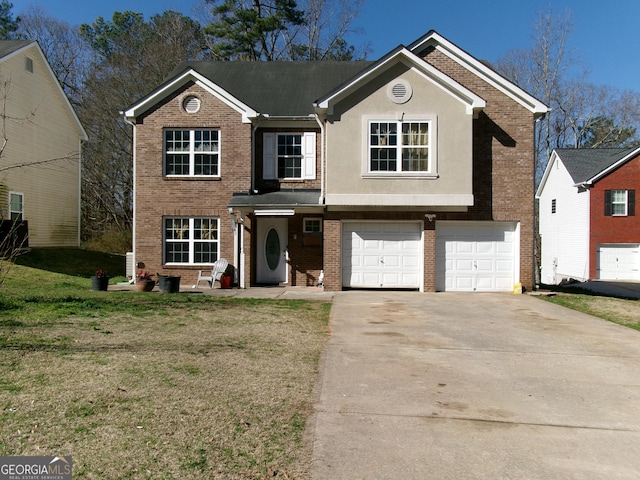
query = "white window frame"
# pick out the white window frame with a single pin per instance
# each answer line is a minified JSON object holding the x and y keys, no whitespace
{"x":401,"y":119}
{"x":191,"y":241}
{"x":191,"y":152}
{"x":624,"y":203}
{"x":270,"y":155}
{"x":312,"y":219}
{"x":12,"y":211}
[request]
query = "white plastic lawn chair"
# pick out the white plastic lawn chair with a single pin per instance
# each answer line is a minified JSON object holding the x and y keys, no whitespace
{"x":212,"y":276}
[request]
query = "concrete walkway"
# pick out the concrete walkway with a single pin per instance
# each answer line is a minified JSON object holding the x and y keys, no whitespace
{"x":475,"y":386}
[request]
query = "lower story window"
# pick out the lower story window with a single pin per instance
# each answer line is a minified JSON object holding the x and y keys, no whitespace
{"x":16,"y":206}
{"x":191,"y":240}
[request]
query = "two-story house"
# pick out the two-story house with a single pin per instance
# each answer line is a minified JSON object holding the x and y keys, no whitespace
{"x":414,"y":171}
{"x":40,"y":159}
{"x":588,"y":226}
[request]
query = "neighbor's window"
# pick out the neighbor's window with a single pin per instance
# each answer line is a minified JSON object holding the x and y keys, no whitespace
{"x":191,"y":240}
{"x":399,"y":146}
{"x":16,"y":206}
{"x":192,"y":153}
{"x":312,"y":232}
{"x":619,"y":202}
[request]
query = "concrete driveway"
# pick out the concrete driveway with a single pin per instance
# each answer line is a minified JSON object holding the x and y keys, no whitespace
{"x":475,"y":386}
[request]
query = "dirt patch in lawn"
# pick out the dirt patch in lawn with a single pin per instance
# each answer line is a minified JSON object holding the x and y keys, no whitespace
{"x":202,"y":392}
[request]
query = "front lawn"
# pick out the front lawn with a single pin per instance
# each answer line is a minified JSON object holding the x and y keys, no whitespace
{"x":150,"y":385}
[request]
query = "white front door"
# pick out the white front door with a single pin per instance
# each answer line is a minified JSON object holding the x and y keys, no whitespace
{"x":271,"y":256}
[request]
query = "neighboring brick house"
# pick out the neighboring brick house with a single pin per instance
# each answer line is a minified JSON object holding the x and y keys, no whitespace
{"x":588,"y":225}
{"x":415,"y":171}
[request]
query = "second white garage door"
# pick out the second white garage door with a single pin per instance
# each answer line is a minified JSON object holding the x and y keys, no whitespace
{"x":476,"y":256}
{"x":619,"y":262}
{"x":382,"y":254}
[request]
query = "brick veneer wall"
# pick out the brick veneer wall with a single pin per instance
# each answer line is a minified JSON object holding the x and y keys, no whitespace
{"x":610,"y":229}
{"x":503,"y":161}
{"x":157,"y":196}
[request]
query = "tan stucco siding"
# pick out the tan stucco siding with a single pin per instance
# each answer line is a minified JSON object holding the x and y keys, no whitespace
{"x":347,"y":142}
{"x":42,"y":134}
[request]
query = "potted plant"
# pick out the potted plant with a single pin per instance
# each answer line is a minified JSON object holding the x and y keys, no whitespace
{"x":100,"y":281}
{"x":144,"y":282}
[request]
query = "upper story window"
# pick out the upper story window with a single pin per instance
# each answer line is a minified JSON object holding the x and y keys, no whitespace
{"x":289,"y":156}
{"x":191,"y":240}
{"x":192,"y":152}
{"x":619,"y":202}
{"x":400,"y":146}
{"x":16,"y":206}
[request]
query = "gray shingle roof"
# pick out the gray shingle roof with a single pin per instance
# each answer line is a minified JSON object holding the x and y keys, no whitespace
{"x":276,"y":88}
{"x":585,"y":163}
{"x":10,"y":46}
{"x":282,"y":198}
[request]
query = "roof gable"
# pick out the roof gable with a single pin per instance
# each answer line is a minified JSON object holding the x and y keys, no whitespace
{"x":434,"y":40}
{"x":11,"y":48}
{"x":401,"y":55}
{"x":588,"y":165}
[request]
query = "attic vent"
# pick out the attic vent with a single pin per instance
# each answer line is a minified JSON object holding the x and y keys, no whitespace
{"x":28,"y":65}
{"x":191,"y":104}
{"x":399,"y":91}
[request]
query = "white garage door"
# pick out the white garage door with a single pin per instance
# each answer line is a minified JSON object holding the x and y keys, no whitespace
{"x":382,"y":254}
{"x":618,"y":262}
{"x":476,"y":256}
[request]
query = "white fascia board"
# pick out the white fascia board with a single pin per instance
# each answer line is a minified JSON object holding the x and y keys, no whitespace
{"x":485,"y":73}
{"x":611,"y":168}
{"x":400,"y":200}
{"x":554,"y":158}
{"x":191,"y":75}
{"x":470,"y":99}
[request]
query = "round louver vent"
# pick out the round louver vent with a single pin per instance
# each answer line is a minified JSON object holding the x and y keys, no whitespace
{"x":399,"y":91}
{"x":191,"y":104}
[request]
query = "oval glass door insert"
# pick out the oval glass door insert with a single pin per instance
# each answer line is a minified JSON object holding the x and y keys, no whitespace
{"x":272,"y":249}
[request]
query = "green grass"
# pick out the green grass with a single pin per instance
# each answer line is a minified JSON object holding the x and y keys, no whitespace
{"x":146,"y":385}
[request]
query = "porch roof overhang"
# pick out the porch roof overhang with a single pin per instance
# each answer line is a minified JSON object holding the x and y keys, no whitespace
{"x":298,"y":200}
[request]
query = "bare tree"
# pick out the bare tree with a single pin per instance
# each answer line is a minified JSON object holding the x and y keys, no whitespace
{"x":582,"y":114}
{"x":62,"y":45}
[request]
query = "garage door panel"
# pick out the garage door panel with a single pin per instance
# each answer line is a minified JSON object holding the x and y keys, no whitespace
{"x":476,"y":256}
{"x":619,"y":262}
{"x":389,"y":255}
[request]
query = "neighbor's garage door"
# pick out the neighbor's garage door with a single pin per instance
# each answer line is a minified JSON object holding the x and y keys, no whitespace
{"x":618,"y":262}
{"x":476,"y":256}
{"x":382,"y":254}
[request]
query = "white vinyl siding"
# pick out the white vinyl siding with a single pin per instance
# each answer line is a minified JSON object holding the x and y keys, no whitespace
{"x":565,"y":234}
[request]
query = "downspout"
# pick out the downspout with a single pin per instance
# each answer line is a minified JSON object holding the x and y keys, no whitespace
{"x":133,"y":226}
{"x":322,"y":158}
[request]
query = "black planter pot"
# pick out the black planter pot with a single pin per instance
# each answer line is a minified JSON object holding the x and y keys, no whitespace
{"x":99,"y":284}
{"x":169,"y":284}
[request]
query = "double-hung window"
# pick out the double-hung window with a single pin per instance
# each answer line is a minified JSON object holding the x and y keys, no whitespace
{"x":16,"y":206}
{"x":619,"y":202}
{"x":194,"y":153}
{"x":191,"y":240}
{"x":400,"y":146}
{"x":289,"y":156}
